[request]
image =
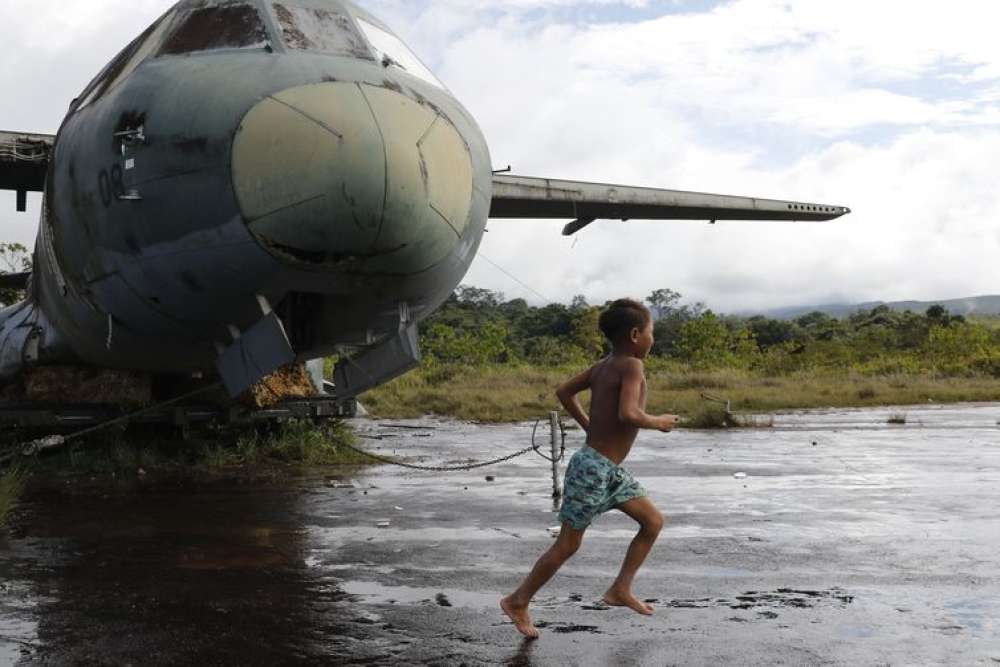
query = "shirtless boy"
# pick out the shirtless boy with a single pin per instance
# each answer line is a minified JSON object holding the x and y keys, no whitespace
{"x":595,"y":483}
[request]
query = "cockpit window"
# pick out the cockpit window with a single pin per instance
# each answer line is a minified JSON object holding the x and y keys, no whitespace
{"x":234,"y":26}
{"x":147,"y":46}
{"x":392,"y":51}
{"x":127,"y":61}
{"x":320,"y":29}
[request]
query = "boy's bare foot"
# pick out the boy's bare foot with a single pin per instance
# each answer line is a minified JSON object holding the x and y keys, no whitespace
{"x":627,"y":599}
{"x":522,"y":621}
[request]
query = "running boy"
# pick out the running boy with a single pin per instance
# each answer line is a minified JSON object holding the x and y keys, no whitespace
{"x":595,"y":483}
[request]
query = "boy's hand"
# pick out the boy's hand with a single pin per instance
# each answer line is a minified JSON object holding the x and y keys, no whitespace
{"x":667,"y":423}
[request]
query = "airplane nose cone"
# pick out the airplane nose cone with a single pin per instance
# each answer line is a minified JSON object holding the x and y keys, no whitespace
{"x":352,"y":177}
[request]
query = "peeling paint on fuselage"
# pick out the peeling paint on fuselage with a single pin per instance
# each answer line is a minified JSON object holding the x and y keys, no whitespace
{"x":152,"y":241}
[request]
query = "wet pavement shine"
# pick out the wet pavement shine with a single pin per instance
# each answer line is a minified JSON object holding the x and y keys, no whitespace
{"x":849,"y":541}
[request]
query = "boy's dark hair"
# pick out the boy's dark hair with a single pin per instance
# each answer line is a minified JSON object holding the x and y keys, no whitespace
{"x":621,"y":317}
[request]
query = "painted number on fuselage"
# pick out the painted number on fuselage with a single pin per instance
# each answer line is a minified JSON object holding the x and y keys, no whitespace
{"x":111,"y":184}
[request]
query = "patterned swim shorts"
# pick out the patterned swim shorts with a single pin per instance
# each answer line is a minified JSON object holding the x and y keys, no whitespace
{"x":595,"y":485}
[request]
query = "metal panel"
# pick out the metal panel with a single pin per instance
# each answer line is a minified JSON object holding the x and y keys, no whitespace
{"x":390,"y":359}
{"x":526,"y":197}
{"x":14,"y":280}
{"x":260,"y":351}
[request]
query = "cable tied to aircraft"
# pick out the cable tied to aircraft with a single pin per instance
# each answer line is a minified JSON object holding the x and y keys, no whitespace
{"x":470,"y":466}
{"x":36,"y":447}
{"x":456,"y":468}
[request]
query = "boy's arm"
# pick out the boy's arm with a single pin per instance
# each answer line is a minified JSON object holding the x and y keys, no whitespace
{"x":567,"y":394}
{"x":629,"y":410}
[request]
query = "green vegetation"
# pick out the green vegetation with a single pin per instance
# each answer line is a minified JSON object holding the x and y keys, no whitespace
{"x":294,"y":445}
{"x":708,"y":416}
{"x":10,"y":489}
{"x":297,"y":443}
{"x":494,"y":360}
{"x":14,"y":258}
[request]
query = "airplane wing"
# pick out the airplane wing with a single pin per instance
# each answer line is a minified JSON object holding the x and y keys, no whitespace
{"x":527,"y":197}
{"x":14,"y":280}
{"x":24,"y":161}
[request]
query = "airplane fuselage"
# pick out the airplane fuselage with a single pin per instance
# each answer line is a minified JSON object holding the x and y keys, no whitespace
{"x":324,"y":177}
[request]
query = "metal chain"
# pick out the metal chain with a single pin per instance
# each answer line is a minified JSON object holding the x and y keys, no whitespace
{"x":562,"y":449}
{"x":470,"y":466}
{"x":413,"y":466}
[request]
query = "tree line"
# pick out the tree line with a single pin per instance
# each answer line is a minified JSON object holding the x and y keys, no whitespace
{"x":479,"y":326}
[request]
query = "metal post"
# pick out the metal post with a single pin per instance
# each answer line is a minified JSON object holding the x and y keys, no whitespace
{"x":556,"y":433}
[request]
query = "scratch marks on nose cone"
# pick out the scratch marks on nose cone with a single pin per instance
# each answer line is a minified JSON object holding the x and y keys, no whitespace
{"x":385,"y":158}
{"x":308,"y":170}
{"x":446,"y":168}
{"x":287,"y":207}
{"x":424,"y":173}
{"x":302,"y":113}
{"x":446,"y":221}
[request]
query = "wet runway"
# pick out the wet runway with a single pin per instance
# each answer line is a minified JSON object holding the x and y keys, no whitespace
{"x":849,"y":541}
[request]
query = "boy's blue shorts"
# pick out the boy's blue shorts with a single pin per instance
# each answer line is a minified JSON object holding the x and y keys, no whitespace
{"x":594,"y":485}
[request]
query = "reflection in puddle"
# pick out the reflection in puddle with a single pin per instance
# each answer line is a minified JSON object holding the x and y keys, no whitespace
{"x":223,"y":558}
{"x":375,"y":593}
{"x":978,"y":615}
{"x":18,"y":628}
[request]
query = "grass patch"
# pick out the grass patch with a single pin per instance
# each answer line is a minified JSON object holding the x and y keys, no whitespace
{"x":715,"y":416}
{"x":11,"y":484}
{"x":297,"y":443}
{"x":511,"y":393}
{"x":709,"y":416}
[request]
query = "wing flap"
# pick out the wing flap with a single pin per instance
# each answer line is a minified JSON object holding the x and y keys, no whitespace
{"x":24,"y":161}
{"x":527,"y":197}
{"x":14,"y":280}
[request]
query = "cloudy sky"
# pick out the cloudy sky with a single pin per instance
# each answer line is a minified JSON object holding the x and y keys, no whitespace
{"x":889,"y":107}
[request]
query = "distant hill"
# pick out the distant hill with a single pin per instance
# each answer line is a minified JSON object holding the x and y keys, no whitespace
{"x":976,"y":305}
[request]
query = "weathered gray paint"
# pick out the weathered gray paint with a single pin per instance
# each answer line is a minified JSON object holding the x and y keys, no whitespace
{"x":257,"y":352}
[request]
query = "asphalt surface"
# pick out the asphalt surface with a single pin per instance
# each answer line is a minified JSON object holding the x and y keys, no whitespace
{"x":849,"y":541}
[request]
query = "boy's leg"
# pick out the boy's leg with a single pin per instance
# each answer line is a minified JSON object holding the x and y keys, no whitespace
{"x":516,"y":604}
{"x":650,"y":523}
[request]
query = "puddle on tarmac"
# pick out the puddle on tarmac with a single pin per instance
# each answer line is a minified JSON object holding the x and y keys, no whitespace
{"x":567,"y":628}
{"x":371,"y":592}
{"x":978,"y":615}
{"x":787,"y":597}
{"x":18,"y":629}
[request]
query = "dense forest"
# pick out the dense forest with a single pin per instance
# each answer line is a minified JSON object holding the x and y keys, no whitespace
{"x":478,"y":326}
